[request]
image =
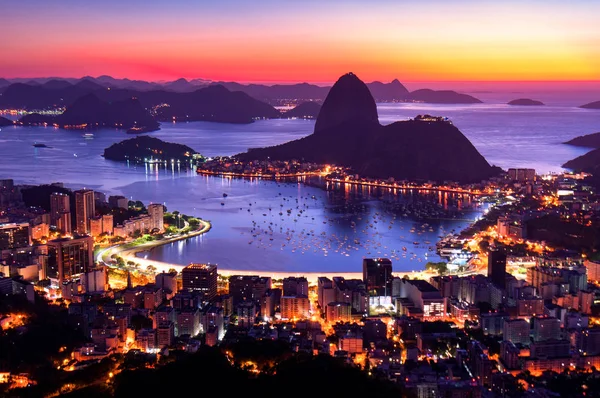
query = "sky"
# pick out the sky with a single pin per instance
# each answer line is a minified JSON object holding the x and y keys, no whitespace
{"x":308,"y":40}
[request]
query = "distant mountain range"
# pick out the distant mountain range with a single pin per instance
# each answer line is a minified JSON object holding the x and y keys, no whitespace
{"x":347,"y":133}
{"x":591,"y":105}
{"x":272,"y":94}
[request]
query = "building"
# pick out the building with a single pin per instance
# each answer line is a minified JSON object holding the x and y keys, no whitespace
{"x":107,"y":224}
{"x":69,"y":258}
{"x":167,"y":281}
{"x":85,"y":209}
{"x":420,"y":299}
{"x":377,"y":275}
{"x":338,"y":312}
{"x":248,"y":287}
{"x":269,"y":302}
{"x":14,"y":236}
{"x":200,"y":278}
{"x":293,"y":286}
{"x":497,"y":268}
{"x":188,"y":322}
{"x":95,"y":280}
{"x":521,"y":175}
{"x":118,"y":201}
{"x":40,"y":231}
{"x":165,"y":335}
{"x":516,"y":331}
{"x":156,"y":212}
{"x":59,"y":203}
{"x":96,"y":226}
{"x":246,"y":314}
{"x":545,"y":328}
{"x":295,"y":307}
{"x":593,"y":270}
{"x":64,"y":224}
{"x":325,"y":291}
{"x":553,"y":348}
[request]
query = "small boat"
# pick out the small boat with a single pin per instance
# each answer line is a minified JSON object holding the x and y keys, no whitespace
{"x":222,"y":203}
{"x":224,"y":195}
{"x":40,"y":145}
{"x":88,"y":135}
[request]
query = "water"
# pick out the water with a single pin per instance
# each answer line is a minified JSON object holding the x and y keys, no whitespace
{"x":506,"y":136}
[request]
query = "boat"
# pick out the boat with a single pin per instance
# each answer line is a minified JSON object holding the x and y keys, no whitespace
{"x":222,"y":204}
{"x":224,"y":195}
{"x":88,"y":135}
{"x":40,"y":145}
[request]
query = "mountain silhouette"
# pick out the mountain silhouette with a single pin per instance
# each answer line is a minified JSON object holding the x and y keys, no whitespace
{"x":348,"y":133}
{"x":526,"y":102}
{"x":441,"y":97}
{"x":5,"y":122}
{"x":591,"y":105}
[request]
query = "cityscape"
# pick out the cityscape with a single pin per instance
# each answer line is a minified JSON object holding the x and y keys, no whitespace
{"x":255,"y":216}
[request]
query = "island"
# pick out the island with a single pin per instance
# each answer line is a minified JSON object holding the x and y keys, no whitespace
{"x":588,"y":141}
{"x":306,"y":110}
{"x":591,"y":105}
{"x":441,"y":97}
{"x":5,"y":122}
{"x":348,"y":134}
{"x":145,"y":149}
{"x":525,"y":102}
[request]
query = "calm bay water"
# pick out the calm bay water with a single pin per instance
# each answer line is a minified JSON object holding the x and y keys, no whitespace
{"x":335,"y":229}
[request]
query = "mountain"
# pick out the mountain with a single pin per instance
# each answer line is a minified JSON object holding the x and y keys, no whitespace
{"x":386,"y":92}
{"x":305,"y":110}
{"x":348,"y":101}
{"x":441,"y":97}
{"x":212,"y":103}
{"x":588,"y":140}
{"x":525,"y":102}
{"x":145,"y":147}
{"x":4,"y":82}
{"x":90,"y":112}
{"x":591,"y":105}
{"x":179,"y":85}
{"x":348,"y":133}
{"x":589,"y":163}
{"x":56,"y":84}
{"x":5,"y":122}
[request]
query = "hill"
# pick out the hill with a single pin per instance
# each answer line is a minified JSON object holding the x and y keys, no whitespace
{"x":5,"y":122}
{"x":525,"y":102}
{"x":348,"y":133}
{"x":591,"y":105}
{"x":90,"y":112}
{"x":441,"y":97}
{"x":144,"y":147}
{"x":306,"y":110}
{"x":588,"y":140}
{"x":589,"y":163}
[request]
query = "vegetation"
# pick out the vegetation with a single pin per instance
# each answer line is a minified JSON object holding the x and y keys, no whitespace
{"x":440,"y":267}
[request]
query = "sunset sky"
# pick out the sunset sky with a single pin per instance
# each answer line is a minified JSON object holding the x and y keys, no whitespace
{"x":307,"y":40}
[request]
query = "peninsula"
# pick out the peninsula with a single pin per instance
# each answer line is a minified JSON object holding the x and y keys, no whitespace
{"x":588,"y":141}
{"x":591,"y":105}
{"x":5,"y":122}
{"x":149,"y":149}
{"x":306,"y":110}
{"x":348,"y":134}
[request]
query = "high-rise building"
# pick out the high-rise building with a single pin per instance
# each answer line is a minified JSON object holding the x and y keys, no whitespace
{"x":293,"y":286}
{"x":107,"y":224}
{"x":521,"y":175}
{"x":248,"y":287}
{"x":118,"y":201}
{"x":68,"y":258}
{"x":59,"y":203}
{"x":156,"y":213}
{"x":517,"y":331}
{"x":295,"y":307}
{"x":497,"y":268}
{"x":201,"y":278}
{"x":85,"y":209}
{"x":64,"y":223}
{"x":96,"y":226}
{"x":377,"y":275}
{"x":14,"y":236}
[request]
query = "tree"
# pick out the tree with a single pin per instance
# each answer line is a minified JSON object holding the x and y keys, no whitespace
{"x":151,"y":268}
{"x":171,"y":270}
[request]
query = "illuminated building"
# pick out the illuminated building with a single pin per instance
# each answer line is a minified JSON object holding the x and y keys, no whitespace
{"x":69,"y":258}
{"x":593,"y":270}
{"x":377,"y":275}
{"x":14,"y":236}
{"x":167,"y":281}
{"x":64,"y":223}
{"x":85,"y":209}
{"x":59,"y":204}
{"x":293,"y":286}
{"x":212,"y":317}
{"x":165,"y":335}
{"x":516,"y":331}
{"x":118,"y":201}
{"x":338,"y":312}
{"x":40,"y":231}
{"x":351,"y":343}
{"x":248,"y":287}
{"x":295,"y":307}
{"x":553,"y":348}
{"x":95,"y":280}
{"x":325,"y":292}
{"x":419,"y":298}
{"x":200,"y":278}
{"x":188,"y":322}
{"x":156,"y":213}
{"x":107,"y":224}
{"x":497,"y":268}
{"x":152,"y":296}
{"x":246,"y":314}
{"x":96,"y":226}
{"x":521,"y":175}
{"x":269,"y":302}
{"x":545,"y":328}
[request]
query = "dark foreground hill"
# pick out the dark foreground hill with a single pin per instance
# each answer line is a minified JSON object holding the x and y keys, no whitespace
{"x":348,"y":133}
{"x":589,"y":163}
{"x":144,"y":147}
